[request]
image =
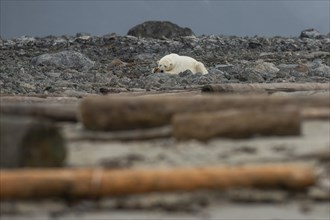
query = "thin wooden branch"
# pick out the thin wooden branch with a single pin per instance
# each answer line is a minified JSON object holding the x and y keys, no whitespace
{"x":91,"y":183}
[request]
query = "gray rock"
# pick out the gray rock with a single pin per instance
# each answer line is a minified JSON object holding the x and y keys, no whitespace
{"x":53,"y":74}
{"x":316,"y":54}
{"x":24,"y":40}
{"x":224,"y":67}
{"x":60,"y":42}
{"x":185,"y":73}
{"x":320,"y":69}
{"x":8,"y":43}
{"x":284,"y":66}
{"x":83,"y":37}
{"x":310,"y":33}
{"x":249,"y":76}
{"x":254,"y":45}
{"x":159,"y":30}
{"x":265,"y":67}
{"x":65,"y":60}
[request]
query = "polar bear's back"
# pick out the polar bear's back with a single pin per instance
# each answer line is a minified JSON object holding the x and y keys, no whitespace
{"x":177,"y":57}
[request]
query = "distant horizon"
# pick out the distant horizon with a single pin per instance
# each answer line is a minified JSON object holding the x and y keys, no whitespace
{"x":101,"y":35}
{"x":227,"y":18}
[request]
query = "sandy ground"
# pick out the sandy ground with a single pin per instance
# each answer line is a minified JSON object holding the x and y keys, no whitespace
{"x":168,"y":152}
{"x":310,"y":148}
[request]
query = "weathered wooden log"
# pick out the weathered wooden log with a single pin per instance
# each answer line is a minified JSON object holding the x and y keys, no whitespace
{"x":91,"y":183}
{"x":118,"y":113}
{"x":49,"y":99}
{"x":315,"y":113}
{"x":75,"y":134}
{"x":264,"y":87}
{"x":30,"y":142}
{"x":58,"y":112}
{"x":236,"y":124}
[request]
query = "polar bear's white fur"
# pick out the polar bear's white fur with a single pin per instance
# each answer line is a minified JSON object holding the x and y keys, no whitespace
{"x":175,"y":64}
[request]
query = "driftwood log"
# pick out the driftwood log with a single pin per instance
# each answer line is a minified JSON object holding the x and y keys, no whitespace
{"x":38,"y":98}
{"x":91,"y":183}
{"x":316,"y":113}
{"x":72,"y":133}
{"x":119,"y":113}
{"x":30,"y":142}
{"x":264,"y":87}
{"x":236,"y":124}
{"x":58,"y":112}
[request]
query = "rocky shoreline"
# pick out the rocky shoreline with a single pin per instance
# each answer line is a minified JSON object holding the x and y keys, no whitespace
{"x":71,"y":67}
{"x":76,"y":65}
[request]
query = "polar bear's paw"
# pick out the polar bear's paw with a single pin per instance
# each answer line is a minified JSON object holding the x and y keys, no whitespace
{"x":156,"y":70}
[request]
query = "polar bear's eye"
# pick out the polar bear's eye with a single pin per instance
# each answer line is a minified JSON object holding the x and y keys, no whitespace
{"x":165,"y":66}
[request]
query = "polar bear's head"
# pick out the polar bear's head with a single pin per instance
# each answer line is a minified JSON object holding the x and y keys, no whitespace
{"x":165,"y":64}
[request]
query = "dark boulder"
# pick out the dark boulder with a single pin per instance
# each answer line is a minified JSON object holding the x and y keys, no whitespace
{"x":311,"y":33}
{"x":159,"y":30}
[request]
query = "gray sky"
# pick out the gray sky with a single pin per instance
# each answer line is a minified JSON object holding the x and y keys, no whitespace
{"x":243,"y":18}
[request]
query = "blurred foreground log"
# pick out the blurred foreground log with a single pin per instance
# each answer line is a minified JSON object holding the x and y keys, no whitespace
{"x":315,"y":113}
{"x":91,"y":183}
{"x":236,"y":124}
{"x":72,"y":133}
{"x":37,"y":98}
{"x":58,"y":112}
{"x":264,"y":87}
{"x":119,"y":113}
{"x":26,"y":141}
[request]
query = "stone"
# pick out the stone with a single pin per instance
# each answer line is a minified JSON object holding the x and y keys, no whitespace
{"x":185,"y":73}
{"x":53,"y":74}
{"x":83,"y":37}
{"x":65,"y":60}
{"x":316,"y":54}
{"x":265,"y":67}
{"x":254,"y":45}
{"x":23,"y":40}
{"x":320,"y":70}
{"x":311,"y":33}
{"x":224,"y":67}
{"x":159,"y":30}
{"x":251,"y":76}
{"x":60,"y":42}
{"x":117,"y":62}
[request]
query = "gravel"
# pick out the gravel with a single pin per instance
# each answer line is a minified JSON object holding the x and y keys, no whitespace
{"x":85,"y":63}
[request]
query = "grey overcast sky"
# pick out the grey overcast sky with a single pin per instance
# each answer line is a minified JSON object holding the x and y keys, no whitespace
{"x":227,"y":17}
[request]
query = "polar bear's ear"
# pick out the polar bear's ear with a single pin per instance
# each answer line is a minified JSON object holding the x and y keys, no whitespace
{"x":157,"y":61}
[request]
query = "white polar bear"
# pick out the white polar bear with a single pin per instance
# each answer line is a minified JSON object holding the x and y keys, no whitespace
{"x":175,"y":64}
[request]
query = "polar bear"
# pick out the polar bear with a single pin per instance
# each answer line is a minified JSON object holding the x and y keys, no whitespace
{"x":175,"y":64}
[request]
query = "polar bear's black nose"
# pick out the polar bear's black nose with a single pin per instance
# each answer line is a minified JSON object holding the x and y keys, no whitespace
{"x":162,"y":71}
